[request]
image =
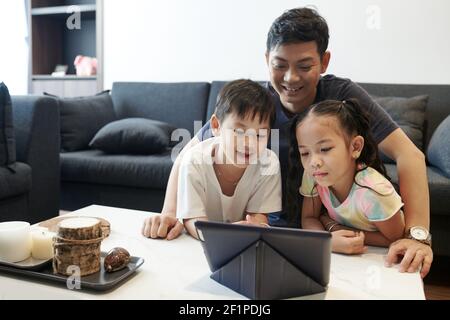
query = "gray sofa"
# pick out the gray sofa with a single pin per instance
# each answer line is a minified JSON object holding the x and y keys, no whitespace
{"x":139,"y":182}
{"x":36,"y":132}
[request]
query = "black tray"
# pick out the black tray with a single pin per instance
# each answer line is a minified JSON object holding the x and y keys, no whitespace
{"x":100,"y":281}
{"x":28,"y":264}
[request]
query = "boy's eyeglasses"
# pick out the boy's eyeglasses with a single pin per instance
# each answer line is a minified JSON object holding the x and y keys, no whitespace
{"x":241,"y":133}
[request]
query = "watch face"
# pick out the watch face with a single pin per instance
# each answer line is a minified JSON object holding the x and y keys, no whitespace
{"x":419,"y":233}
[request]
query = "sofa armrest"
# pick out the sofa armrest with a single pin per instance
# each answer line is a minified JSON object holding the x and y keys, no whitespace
{"x":36,"y":127}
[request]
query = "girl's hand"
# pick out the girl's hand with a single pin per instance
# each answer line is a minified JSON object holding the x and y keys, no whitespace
{"x":348,"y":242}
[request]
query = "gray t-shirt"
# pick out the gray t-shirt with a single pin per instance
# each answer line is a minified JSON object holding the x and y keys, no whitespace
{"x":329,"y":87}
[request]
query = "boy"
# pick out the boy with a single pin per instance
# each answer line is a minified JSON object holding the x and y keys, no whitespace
{"x":232,"y":177}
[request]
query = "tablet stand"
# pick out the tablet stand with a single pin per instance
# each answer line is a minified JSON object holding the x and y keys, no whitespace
{"x":259,"y":272}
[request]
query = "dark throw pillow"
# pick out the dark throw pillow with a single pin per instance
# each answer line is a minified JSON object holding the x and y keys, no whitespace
{"x":7,"y":141}
{"x":82,"y":118}
{"x":409,"y":114}
{"x":438,"y":152}
{"x":133,"y":136}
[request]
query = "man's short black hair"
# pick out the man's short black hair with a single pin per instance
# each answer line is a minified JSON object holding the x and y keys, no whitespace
{"x":299,"y":25}
{"x":245,"y":98}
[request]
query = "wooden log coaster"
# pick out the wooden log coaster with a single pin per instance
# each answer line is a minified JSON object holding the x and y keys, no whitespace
{"x":77,"y":243}
{"x":52,"y":224}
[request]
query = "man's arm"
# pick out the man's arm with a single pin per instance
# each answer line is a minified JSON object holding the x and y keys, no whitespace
{"x":411,"y":169}
{"x":412,"y":176}
{"x":389,"y":231}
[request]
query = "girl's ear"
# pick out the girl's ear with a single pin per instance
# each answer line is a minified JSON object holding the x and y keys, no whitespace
{"x":215,"y":125}
{"x":357,"y":146}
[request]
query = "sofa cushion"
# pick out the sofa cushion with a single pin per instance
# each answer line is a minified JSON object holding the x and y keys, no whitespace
{"x":82,"y":117}
{"x":437,"y":106}
{"x":7,"y":142}
{"x":133,"y":136}
{"x":15,"y":180}
{"x":409,"y":114}
{"x":438,"y":152}
{"x":438,"y":184}
{"x":94,"y":166}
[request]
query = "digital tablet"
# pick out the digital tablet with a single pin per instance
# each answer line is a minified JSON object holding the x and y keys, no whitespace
{"x":309,"y":251}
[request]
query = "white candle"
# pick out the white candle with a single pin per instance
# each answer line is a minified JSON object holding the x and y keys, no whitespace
{"x":15,"y":241}
{"x":42,"y":243}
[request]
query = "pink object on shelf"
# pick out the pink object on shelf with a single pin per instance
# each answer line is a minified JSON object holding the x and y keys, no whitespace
{"x":85,"y":66}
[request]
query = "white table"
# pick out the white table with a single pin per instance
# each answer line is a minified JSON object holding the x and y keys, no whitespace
{"x":178,"y":270}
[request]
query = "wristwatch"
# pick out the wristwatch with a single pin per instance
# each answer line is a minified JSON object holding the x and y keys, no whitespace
{"x":420,"y":234}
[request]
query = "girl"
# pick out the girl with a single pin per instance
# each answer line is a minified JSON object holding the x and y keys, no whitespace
{"x":342,"y":172}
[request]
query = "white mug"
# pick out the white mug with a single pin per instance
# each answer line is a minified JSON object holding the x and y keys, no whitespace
{"x":15,"y":241}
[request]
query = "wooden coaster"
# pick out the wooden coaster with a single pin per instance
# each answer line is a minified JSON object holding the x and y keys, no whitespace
{"x":78,"y":243}
{"x":52,"y":224}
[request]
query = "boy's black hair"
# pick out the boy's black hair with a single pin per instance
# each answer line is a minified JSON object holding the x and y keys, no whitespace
{"x":353,"y":120}
{"x":299,"y":25}
{"x":245,"y":98}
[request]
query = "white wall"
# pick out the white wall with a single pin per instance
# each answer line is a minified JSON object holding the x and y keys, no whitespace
{"x":202,"y":40}
{"x":14,"y":47}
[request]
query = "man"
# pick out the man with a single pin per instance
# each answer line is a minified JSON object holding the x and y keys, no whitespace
{"x":297,"y":56}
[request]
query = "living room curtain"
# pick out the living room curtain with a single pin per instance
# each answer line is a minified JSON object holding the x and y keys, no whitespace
{"x":14,"y":49}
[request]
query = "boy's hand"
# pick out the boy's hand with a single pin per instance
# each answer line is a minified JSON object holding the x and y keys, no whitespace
{"x":251,"y":220}
{"x":348,"y":242}
{"x":162,"y":226}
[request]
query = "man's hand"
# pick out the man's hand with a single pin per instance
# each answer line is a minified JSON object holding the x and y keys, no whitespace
{"x":348,"y":242}
{"x":415,"y":254}
{"x":162,"y":226}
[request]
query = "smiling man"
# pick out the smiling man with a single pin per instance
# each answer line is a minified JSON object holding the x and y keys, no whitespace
{"x":297,"y":57}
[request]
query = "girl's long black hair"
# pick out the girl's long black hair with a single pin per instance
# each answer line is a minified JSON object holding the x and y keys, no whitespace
{"x":353,"y":120}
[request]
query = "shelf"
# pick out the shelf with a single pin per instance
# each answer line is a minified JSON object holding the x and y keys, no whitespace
{"x":67,"y":77}
{"x":56,"y":41}
{"x":62,"y":10}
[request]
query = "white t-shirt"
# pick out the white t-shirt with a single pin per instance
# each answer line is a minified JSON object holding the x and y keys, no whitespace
{"x":200,"y":195}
